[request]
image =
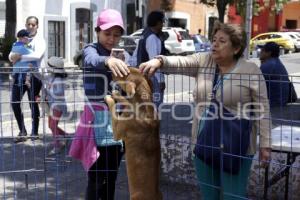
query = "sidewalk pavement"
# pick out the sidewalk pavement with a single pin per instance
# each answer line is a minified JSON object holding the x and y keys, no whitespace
{"x":28,"y":173}
{"x":62,"y":177}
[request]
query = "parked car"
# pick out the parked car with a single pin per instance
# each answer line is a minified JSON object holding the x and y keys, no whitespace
{"x":177,"y":40}
{"x":295,"y":36}
{"x":202,"y":44}
{"x":283,"y":40}
{"x":126,"y":42}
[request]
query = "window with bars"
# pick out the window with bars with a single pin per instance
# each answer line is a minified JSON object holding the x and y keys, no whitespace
{"x":56,"y":39}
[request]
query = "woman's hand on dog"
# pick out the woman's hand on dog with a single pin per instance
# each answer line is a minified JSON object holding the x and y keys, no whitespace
{"x":117,"y":67}
{"x":150,"y":67}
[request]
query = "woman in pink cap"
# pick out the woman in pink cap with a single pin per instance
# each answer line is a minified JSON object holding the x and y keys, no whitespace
{"x":94,"y":145}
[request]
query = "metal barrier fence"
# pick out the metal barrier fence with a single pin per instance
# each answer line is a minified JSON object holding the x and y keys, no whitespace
{"x":28,"y":172}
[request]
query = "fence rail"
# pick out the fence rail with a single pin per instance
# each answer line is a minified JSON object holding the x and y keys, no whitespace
{"x":27,"y":172}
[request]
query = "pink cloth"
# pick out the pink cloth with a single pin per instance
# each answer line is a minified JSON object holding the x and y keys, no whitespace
{"x":83,"y":146}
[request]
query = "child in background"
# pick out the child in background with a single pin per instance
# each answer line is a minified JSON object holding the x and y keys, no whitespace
{"x":54,"y":95}
{"x":21,"y":69}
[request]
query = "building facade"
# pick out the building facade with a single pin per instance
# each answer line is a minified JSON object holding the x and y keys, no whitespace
{"x":68,"y":25}
{"x":268,"y":19}
{"x":290,"y":16}
{"x":188,"y":14}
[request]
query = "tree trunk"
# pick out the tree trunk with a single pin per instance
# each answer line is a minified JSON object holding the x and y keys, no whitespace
{"x":10,"y":27}
{"x":10,"y":18}
{"x":221,"y":6}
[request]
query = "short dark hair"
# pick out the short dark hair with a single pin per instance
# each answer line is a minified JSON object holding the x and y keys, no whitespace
{"x":23,"y":33}
{"x":97,"y":29}
{"x":32,"y":17}
{"x":236,"y":34}
{"x":154,"y":17}
{"x":273,"y":48}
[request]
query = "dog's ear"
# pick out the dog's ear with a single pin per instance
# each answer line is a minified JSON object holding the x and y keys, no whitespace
{"x":130,"y":88}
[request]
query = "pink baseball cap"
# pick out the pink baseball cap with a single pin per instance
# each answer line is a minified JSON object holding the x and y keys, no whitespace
{"x":109,"y":18}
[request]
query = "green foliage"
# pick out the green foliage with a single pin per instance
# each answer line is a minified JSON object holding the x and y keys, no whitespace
{"x":221,"y":6}
{"x":241,"y":6}
{"x":279,"y":5}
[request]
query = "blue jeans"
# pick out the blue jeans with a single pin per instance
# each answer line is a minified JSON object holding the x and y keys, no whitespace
{"x":234,"y":186}
{"x":17,"y":93}
{"x":102,"y":175}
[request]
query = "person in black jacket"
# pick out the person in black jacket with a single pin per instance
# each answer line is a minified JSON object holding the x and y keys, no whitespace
{"x":275,"y":74}
{"x":152,"y":45}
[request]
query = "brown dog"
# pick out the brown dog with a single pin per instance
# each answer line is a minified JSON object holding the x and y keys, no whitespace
{"x":138,"y":127}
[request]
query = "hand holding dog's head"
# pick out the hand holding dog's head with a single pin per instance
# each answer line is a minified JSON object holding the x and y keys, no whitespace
{"x":135,"y":83}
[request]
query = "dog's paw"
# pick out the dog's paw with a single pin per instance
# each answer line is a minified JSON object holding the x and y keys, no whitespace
{"x":109,"y":100}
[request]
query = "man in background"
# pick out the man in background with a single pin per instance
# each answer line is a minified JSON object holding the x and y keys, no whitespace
{"x":151,"y":45}
{"x":38,"y":45}
{"x":275,"y":74}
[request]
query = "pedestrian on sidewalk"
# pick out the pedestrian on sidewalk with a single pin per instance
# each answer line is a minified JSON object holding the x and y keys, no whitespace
{"x":279,"y":87}
{"x":225,"y":84}
{"x":37,"y":58}
{"x":93,"y":143}
{"x":53,"y":100}
{"x":151,"y":45}
{"x":21,"y":69}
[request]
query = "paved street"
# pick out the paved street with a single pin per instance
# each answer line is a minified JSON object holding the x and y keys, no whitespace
{"x":63,"y":178}
{"x":27,"y":173}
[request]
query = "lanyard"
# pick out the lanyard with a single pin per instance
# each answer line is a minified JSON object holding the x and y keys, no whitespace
{"x":218,"y":80}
